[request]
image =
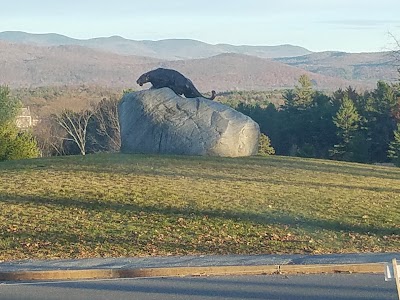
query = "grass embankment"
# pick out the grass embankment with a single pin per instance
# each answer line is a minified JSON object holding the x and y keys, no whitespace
{"x":130,"y":205}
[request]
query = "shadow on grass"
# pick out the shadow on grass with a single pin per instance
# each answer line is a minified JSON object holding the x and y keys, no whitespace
{"x":124,"y":163}
{"x":158,"y":166}
{"x":291,"y":163}
{"x":264,"y":218}
{"x":232,"y":177}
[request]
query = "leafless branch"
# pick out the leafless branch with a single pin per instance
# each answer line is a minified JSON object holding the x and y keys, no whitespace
{"x":75,"y":124}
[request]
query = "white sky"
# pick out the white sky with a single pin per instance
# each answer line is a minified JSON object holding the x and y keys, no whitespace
{"x":345,"y":25}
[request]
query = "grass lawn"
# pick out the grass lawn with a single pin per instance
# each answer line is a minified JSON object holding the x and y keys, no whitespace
{"x":111,"y":205}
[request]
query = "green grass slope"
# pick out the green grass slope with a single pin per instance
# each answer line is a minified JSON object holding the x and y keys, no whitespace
{"x":107,"y":205}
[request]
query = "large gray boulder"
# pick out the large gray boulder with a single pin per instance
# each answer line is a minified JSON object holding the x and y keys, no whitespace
{"x":159,"y":121}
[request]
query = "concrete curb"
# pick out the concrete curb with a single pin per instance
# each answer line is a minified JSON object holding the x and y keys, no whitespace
{"x":87,"y":274}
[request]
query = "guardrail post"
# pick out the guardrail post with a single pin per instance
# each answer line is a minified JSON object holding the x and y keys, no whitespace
{"x":396,"y":274}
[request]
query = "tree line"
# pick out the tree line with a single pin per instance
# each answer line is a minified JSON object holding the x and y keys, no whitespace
{"x":346,"y":125}
{"x":343,"y":125}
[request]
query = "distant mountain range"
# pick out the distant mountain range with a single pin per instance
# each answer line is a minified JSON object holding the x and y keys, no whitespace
{"x":365,"y":67}
{"x":170,"y":49}
{"x":31,"y":60}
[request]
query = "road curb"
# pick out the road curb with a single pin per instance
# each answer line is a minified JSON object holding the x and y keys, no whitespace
{"x":87,"y":274}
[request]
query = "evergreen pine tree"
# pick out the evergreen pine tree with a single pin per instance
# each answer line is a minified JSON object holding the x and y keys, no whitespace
{"x":9,"y":106}
{"x":13,"y":144}
{"x":379,"y":121}
{"x":394,"y":147}
{"x":264,"y":146}
{"x":347,"y":121}
{"x":302,"y":96}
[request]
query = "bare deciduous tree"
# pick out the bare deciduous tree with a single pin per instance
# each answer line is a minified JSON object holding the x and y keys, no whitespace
{"x":107,"y":126}
{"x":76,"y":125}
{"x":396,"y":52}
{"x":50,"y":137}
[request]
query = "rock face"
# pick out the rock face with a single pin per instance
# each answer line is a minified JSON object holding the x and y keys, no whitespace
{"x":159,"y":121}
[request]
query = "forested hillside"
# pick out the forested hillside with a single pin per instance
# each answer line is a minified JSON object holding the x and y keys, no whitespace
{"x":30,"y":66}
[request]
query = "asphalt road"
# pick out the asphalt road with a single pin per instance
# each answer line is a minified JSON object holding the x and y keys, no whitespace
{"x":311,"y":287}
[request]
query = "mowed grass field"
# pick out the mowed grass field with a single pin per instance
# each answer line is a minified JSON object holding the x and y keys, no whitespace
{"x":112,"y":205}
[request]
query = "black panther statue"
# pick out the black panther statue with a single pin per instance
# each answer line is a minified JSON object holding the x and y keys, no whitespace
{"x":172,"y":79}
